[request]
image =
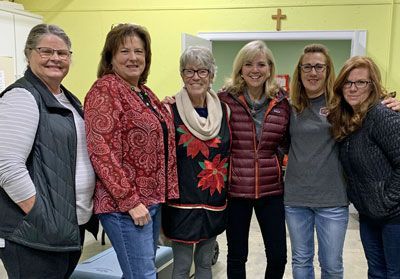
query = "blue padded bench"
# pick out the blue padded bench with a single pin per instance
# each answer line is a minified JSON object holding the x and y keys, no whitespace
{"x":105,"y":265}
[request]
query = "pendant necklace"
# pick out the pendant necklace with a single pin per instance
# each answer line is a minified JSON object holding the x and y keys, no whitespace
{"x":146,"y":100}
{"x":252,"y":106}
{"x":251,"y":103}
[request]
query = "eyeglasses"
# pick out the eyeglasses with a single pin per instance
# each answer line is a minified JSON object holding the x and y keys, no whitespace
{"x":190,"y":73}
{"x":319,"y":68}
{"x":358,"y":83}
{"x":47,"y":52}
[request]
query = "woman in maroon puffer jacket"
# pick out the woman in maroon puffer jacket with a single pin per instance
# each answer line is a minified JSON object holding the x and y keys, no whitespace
{"x":259,"y":124}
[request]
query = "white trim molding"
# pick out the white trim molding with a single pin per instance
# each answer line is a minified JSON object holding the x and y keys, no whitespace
{"x":358,"y":37}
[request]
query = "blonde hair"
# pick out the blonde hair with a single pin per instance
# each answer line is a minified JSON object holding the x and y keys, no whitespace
{"x":236,"y":84}
{"x":344,"y":119}
{"x":298,"y":96}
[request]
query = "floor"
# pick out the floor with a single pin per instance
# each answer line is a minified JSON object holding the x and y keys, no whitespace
{"x":354,"y":261}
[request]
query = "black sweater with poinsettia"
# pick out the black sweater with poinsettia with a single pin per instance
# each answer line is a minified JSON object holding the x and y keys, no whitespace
{"x":200,"y":212}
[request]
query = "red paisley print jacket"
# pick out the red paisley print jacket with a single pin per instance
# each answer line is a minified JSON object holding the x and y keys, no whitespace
{"x":126,"y":147}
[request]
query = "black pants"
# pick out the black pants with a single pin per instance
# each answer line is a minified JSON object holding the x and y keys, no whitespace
{"x":270,"y":214}
{"x":22,"y":262}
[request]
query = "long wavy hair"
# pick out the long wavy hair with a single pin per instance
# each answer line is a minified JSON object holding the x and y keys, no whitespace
{"x":344,"y":118}
{"x":116,"y":37}
{"x":236,"y":84}
{"x":298,"y":96}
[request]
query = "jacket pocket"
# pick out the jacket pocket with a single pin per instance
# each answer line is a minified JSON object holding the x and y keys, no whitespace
{"x":369,"y":199}
{"x":39,"y":228}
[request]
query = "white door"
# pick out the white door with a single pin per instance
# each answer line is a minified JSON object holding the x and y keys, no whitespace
{"x":190,"y":40}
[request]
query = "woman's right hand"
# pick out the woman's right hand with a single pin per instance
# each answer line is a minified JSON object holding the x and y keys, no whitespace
{"x":27,"y":204}
{"x":168,"y":100}
{"x":140,"y":215}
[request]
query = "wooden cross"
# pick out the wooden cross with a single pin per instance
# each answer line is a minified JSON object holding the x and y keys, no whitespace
{"x":278,"y":17}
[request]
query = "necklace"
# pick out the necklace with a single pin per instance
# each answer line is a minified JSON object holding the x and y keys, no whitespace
{"x":255,"y":105}
{"x":252,"y":106}
{"x":146,"y":100}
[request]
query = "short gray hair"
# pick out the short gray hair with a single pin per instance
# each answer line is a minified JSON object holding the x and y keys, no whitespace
{"x":40,"y":30}
{"x":199,"y":56}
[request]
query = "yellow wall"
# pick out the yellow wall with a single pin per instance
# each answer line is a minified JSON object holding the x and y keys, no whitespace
{"x":88,"y":21}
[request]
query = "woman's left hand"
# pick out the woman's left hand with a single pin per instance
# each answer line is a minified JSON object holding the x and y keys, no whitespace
{"x":392,"y":103}
{"x":140,"y":215}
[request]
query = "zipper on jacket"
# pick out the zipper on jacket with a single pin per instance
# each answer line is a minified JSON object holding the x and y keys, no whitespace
{"x":271,"y":105}
{"x":279,"y":168}
{"x":256,"y":145}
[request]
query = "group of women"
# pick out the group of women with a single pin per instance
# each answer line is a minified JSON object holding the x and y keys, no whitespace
{"x":210,"y":159}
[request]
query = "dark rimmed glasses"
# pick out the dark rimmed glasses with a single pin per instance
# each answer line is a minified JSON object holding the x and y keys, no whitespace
{"x":359,"y":84}
{"x":189,"y":73}
{"x":319,"y":68}
{"x":47,"y":52}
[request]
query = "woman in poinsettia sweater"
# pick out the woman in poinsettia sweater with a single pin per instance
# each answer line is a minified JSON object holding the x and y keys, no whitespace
{"x":203,"y":142}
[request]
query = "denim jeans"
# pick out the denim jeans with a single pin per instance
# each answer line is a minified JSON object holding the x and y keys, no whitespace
{"x":381,"y":244}
{"x":270,"y":215}
{"x":183,"y":256}
{"x":330,"y":224}
{"x":134,"y":245}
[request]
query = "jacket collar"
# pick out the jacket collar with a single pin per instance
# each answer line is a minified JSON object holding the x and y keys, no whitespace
{"x":48,"y":97}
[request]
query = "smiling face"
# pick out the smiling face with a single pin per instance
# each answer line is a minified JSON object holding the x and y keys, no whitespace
{"x":355,"y":96}
{"x":256,"y":72}
{"x":129,"y":60}
{"x":196,"y":86}
{"x":51,"y":70}
{"x":313,"y":81}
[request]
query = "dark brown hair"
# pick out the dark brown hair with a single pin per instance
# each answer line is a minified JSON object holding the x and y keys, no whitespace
{"x":115,"y":38}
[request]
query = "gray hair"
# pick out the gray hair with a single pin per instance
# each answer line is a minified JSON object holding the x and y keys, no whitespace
{"x":199,"y":56}
{"x":40,"y":30}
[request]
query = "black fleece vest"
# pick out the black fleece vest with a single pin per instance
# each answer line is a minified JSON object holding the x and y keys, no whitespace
{"x":52,"y":223}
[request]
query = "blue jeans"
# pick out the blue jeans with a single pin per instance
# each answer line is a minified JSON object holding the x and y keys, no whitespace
{"x":134,"y":245}
{"x":330,"y":224}
{"x":381,"y":244}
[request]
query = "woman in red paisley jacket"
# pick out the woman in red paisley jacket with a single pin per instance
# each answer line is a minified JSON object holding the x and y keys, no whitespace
{"x":259,"y":123}
{"x":131,"y":144}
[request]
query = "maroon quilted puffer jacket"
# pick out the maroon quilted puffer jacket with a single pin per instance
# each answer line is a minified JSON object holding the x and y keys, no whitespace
{"x":255,"y":170}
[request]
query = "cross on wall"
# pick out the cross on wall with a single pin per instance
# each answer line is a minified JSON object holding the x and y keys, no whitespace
{"x":278,"y":17}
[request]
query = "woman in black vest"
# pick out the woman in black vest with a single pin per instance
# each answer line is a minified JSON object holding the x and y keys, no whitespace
{"x":46,"y":179}
{"x":203,"y":142}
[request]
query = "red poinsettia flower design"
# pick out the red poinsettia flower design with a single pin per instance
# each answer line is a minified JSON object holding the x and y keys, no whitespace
{"x":195,"y":145}
{"x":213,"y":175}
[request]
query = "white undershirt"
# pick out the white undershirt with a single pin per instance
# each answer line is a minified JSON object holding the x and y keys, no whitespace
{"x":85,"y":178}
